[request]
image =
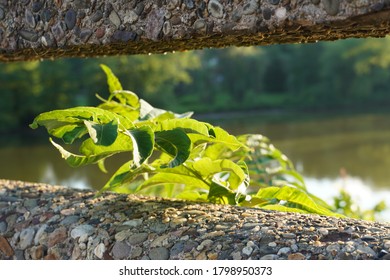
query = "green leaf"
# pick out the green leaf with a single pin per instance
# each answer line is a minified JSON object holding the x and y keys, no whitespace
{"x":187,"y":125}
{"x":126,"y":97}
{"x":293,"y":195}
{"x":220,"y":194}
{"x":278,"y":207}
{"x":206,"y":168}
{"x":175,"y":143}
{"x":102,"y":134}
{"x":77,"y":160}
{"x":60,"y":122}
{"x":121,"y":144}
{"x":68,"y":136}
{"x":143,"y":143}
{"x":112,"y":80}
{"x":120,"y":177}
{"x":148,"y":112}
{"x":177,"y":175}
{"x":123,"y":110}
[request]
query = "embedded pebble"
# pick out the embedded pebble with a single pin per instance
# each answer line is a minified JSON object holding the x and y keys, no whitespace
{"x":284,"y":251}
{"x":26,"y":238}
{"x":250,"y":8}
{"x":323,"y":231}
{"x":349,"y":247}
{"x":296,"y":256}
{"x":247,"y":250}
{"x":274,"y":2}
{"x":69,"y":220}
{"x":37,"y":6}
{"x":155,"y":22}
{"x":289,"y":235}
{"x":5,"y":247}
{"x":139,"y":8}
{"x":30,"y":21}
{"x":70,"y":19}
{"x":331,"y":6}
{"x":29,"y":35}
{"x":167,"y":28}
{"x":236,"y":256}
{"x":189,"y":4}
{"x":131,"y":17}
{"x":133,"y":223}
{"x":269,"y":257}
{"x":98,"y":15}
{"x":99,"y":250}
{"x":267,"y":13}
{"x":172,"y":4}
{"x":58,"y":31}
{"x":85,"y":34}
{"x":272,"y":244}
{"x":281,"y":13}
{"x":122,"y":235}
{"x":160,"y":253}
{"x":365,"y":250}
{"x":333,"y":248}
{"x":114,"y":18}
{"x":138,"y":238}
{"x":57,"y":236}
{"x":2,"y":14}
{"x":177,"y":248}
{"x":368,"y":238}
{"x":120,"y":250}
{"x":3,"y":227}
{"x":215,"y":8}
{"x":40,"y":233}
{"x":82,"y":230}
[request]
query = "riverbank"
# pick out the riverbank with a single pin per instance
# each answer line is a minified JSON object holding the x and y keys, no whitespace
{"x":39,"y":221}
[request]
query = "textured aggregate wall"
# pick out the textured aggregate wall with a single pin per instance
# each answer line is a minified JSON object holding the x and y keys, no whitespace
{"x":33,"y":29}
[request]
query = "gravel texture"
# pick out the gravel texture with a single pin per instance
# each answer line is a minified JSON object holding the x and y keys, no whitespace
{"x":39,"y":221}
{"x":55,"y":28}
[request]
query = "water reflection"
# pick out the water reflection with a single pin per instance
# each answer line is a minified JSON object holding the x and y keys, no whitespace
{"x":319,"y":147}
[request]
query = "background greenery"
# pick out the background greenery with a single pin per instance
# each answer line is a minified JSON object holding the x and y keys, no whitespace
{"x":329,"y":75}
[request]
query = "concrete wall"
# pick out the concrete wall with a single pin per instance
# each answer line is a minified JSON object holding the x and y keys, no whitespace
{"x":34,"y":29}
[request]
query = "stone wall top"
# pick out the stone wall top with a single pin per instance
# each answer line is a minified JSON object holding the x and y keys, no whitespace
{"x":39,"y":221}
{"x":36,"y":29}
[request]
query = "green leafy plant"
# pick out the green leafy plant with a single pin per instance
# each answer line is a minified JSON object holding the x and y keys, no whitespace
{"x":344,"y":204}
{"x":173,"y":155}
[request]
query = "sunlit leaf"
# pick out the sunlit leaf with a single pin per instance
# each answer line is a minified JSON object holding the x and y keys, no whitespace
{"x":206,"y":167}
{"x":112,"y":80}
{"x":78,"y":160}
{"x":293,"y":195}
{"x":143,"y":143}
{"x":102,"y":134}
{"x":127,"y":97}
{"x":121,"y":144}
{"x":175,"y":143}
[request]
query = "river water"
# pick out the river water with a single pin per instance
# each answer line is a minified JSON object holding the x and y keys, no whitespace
{"x":331,"y":151}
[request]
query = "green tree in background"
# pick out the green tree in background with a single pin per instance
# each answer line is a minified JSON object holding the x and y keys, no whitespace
{"x":342,"y":75}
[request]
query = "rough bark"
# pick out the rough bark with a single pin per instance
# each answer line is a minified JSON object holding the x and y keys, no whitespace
{"x":50,"y":222}
{"x":36,"y":29}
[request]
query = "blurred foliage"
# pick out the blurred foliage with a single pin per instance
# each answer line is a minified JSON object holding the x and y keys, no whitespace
{"x":345,"y":205}
{"x":346,"y":74}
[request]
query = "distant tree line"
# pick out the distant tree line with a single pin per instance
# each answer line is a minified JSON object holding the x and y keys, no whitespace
{"x":348,"y":74}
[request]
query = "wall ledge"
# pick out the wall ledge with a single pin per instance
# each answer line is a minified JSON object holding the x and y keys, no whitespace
{"x":39,"y":221}
{"x":52,"y":29}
